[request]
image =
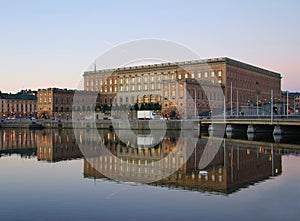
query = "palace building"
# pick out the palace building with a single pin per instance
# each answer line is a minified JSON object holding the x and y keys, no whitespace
{"x":242,"y":84}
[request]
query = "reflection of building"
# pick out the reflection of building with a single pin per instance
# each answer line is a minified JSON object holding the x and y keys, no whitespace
{"x":138,"y":164}
{"x":20,"y":104}
{"x":21,"y":142}
{"x":53,"y":146}
{"x":144,"y":83}
{"x":234,"y":166}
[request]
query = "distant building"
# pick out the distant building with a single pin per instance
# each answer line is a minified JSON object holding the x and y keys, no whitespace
{"x":295,"y":103}
{"x":290,"y":102}
{"x":242,"y":84}
{"x":54,"y":103}
{"x":21,"y":104}
{"x":58,"y":103}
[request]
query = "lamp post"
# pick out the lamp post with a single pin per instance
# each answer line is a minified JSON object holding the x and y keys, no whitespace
{"x":230,"y":98}
{"x":271,"y":107}
{"x":237,"y":103}
{"x":257,"y":105}
{"x":287,"y":104}
{"x":195,"y":102}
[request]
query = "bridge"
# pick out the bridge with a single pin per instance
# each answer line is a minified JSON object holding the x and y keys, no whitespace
{"x":278,"y":125}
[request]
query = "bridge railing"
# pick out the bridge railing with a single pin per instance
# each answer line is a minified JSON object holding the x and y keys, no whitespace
{"x":258,"y":117}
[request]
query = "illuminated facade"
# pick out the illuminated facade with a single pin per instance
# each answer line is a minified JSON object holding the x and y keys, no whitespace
{"x":54,"y":103}
{"x":242,"y":84}
{"x":58,"y":103}
{"x":21,"y":104}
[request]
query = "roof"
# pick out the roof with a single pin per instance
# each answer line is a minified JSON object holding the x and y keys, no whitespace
{"x":224,"y":60}
{"x":6,"y":96}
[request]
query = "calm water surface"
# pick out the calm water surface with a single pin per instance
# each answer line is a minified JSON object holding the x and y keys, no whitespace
{"x":45,"y":177}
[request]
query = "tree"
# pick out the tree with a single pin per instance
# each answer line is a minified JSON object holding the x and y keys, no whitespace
{"x":142,"y":107}
{"x":136,"y":107}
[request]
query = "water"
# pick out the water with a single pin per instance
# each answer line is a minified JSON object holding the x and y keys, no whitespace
{"x":45,"y":177}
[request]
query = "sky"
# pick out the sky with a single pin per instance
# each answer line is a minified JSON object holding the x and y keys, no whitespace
{"x":50,"y":43}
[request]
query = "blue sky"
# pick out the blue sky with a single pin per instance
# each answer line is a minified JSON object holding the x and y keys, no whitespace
{"x":50,"y":43}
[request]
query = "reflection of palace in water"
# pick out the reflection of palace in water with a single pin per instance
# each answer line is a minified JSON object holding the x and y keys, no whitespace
{"x":173,"y":162}
{"x":234,"y":166}
{"x":57,"y":145}
{"x":21,"y":142}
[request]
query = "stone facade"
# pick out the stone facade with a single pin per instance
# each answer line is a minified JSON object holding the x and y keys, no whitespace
{"x":59,"y":103}
{"x":242,"y":84}
{"x":21,"y":104}
{"x":55,"y":103}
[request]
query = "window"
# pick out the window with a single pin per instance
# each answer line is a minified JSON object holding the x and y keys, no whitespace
{"x":186,"y":75}
{"x":192,"y":75}
{"x":220,"y":73}
{"x":212,"y":74}
{"x":110,"y":81}
{"x":199,"y":75}
{"x":146,"y":78}
{"x":179,"y":76}
{"x":152,"y":86}
{"x":181,"y":92}
{"x":145,"y":87}
{"x":166,"y":94}
{"x":205,"y":74}
{"x":152,"y":78}
{"x":173,"y":93}
{"x":132,"y":87}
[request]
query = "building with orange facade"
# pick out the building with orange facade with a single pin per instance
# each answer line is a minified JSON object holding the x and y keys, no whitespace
{"x":59,"y":103}
{"x":242,"y":84}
